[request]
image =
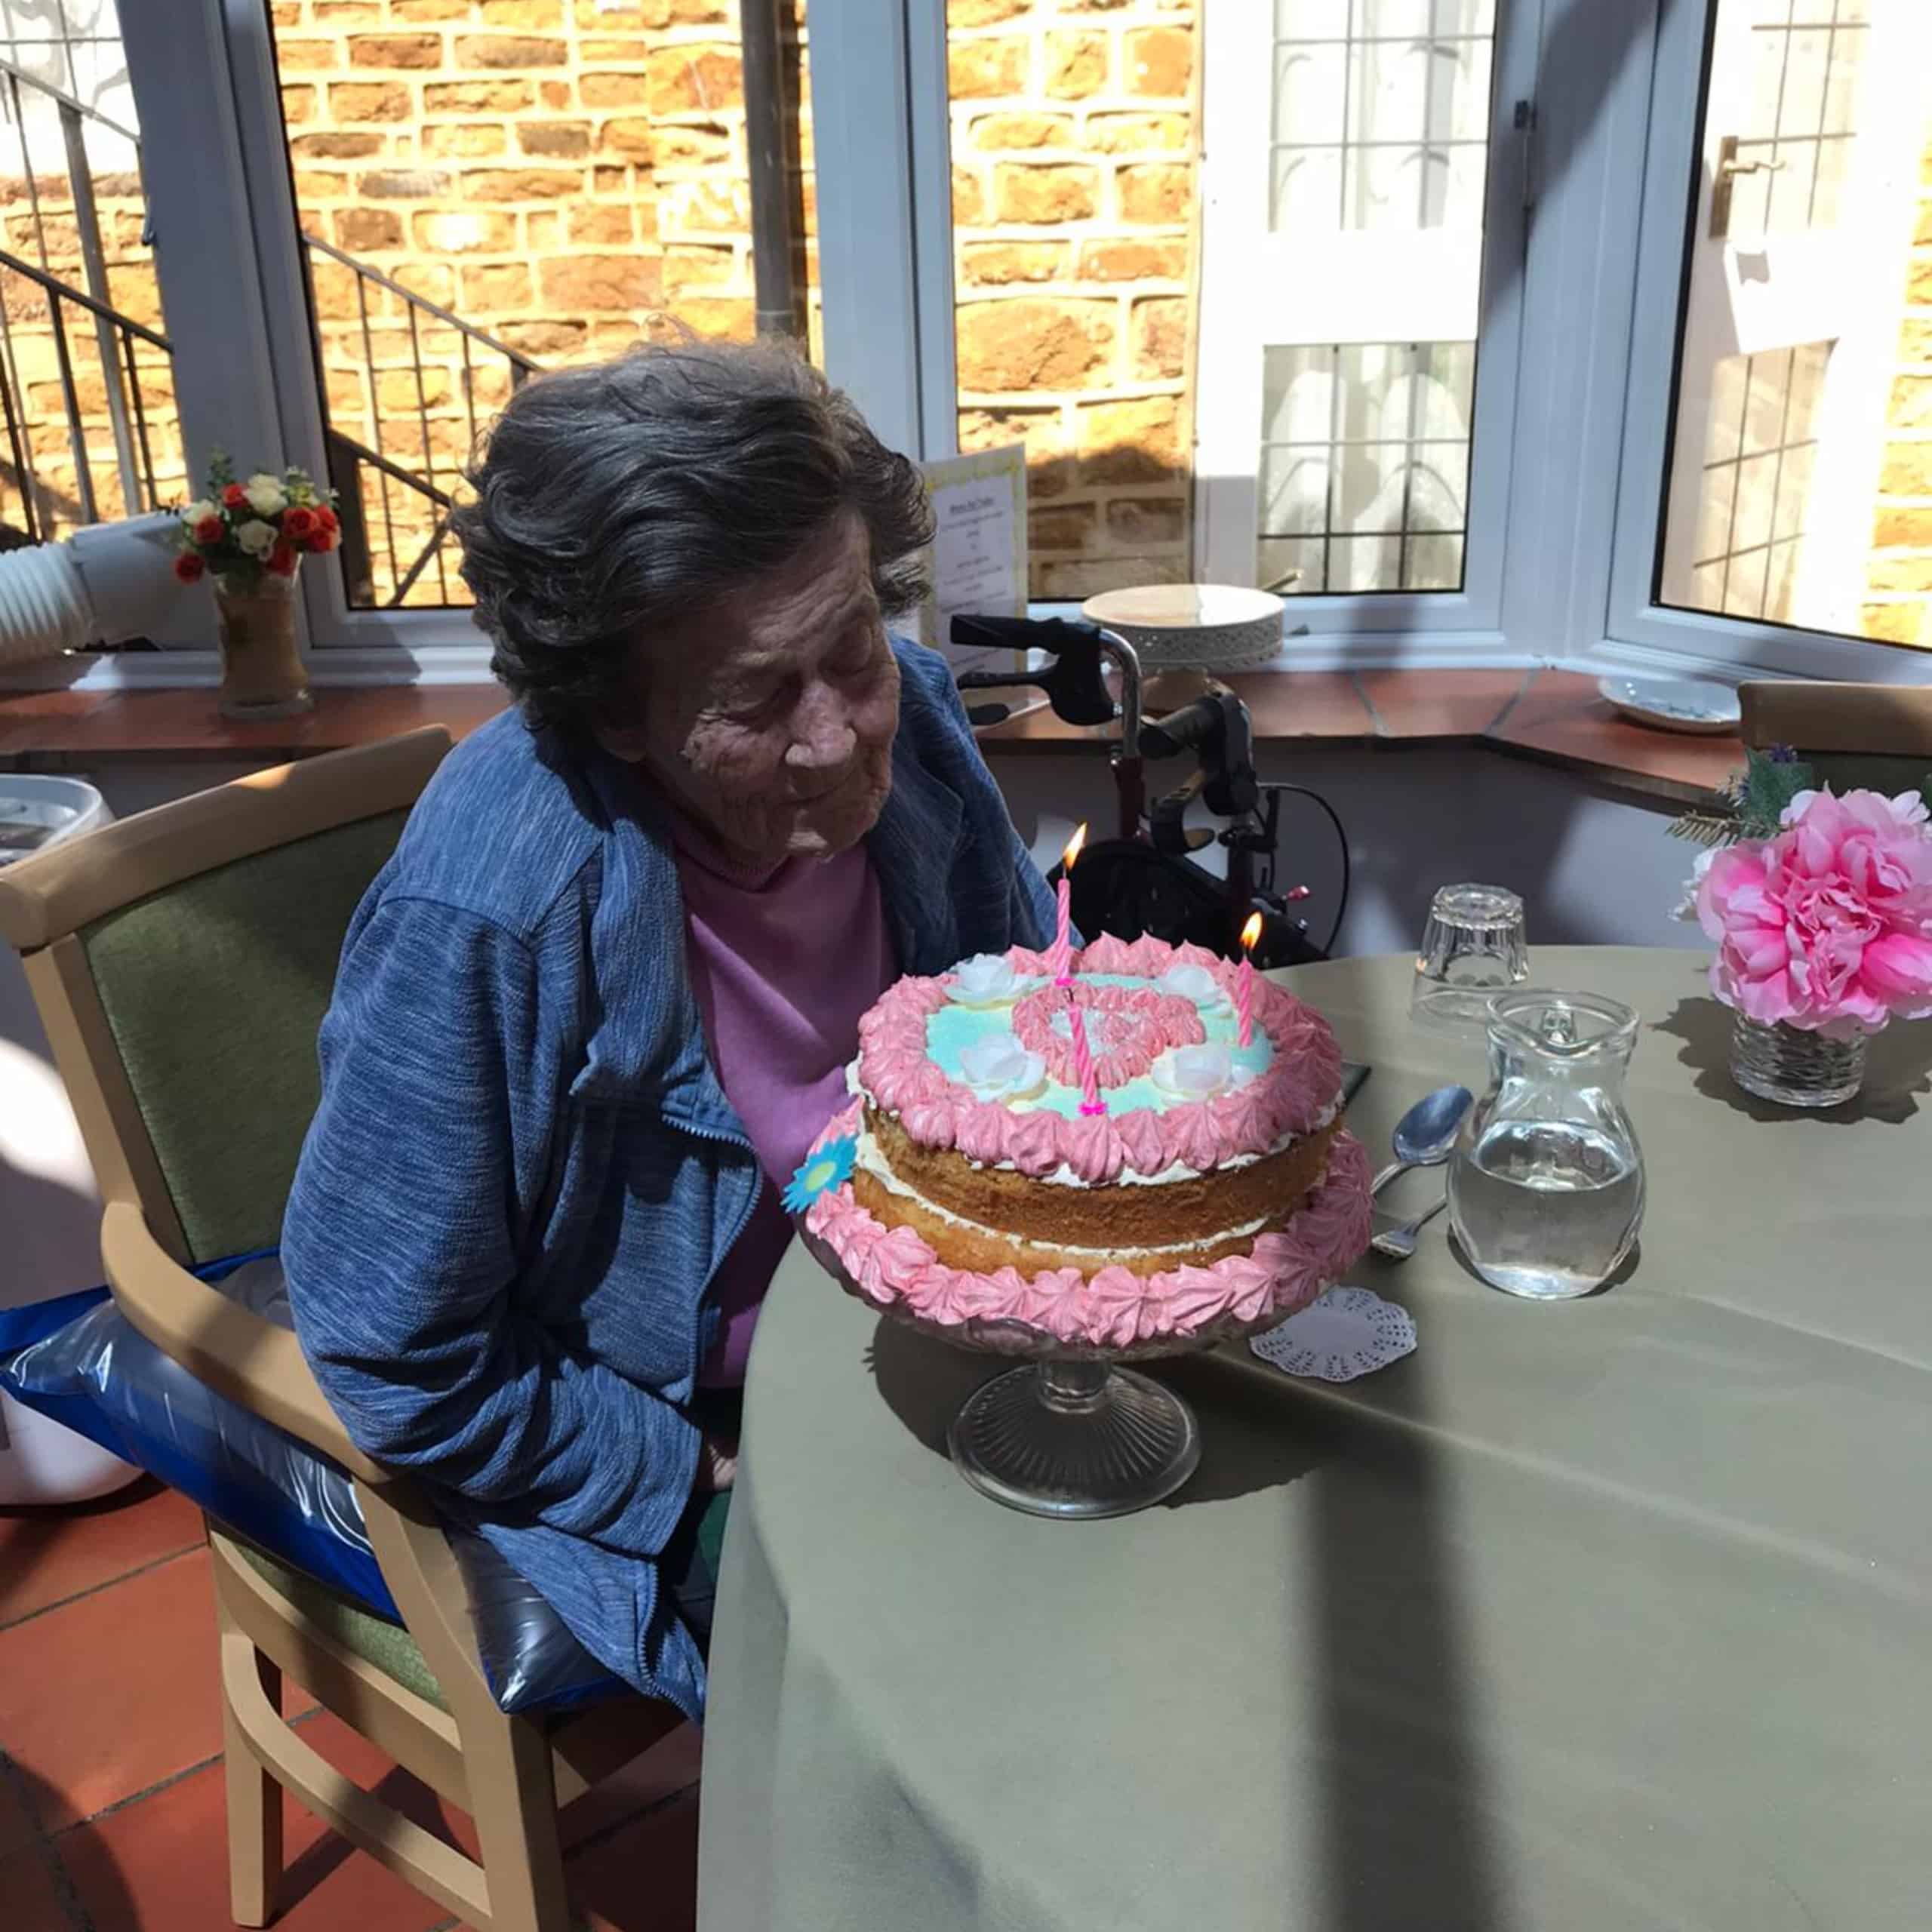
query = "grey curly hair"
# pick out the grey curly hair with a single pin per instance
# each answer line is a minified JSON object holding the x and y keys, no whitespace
{"x":613,"y":501}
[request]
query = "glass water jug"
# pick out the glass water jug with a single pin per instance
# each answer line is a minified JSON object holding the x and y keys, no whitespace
{"x":1546,"y":1184}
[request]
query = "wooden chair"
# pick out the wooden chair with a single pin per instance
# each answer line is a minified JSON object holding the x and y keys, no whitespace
{"x":182,"y":961}
{"x":1877,"y":736}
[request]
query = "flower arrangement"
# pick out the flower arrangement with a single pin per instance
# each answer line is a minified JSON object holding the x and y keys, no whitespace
{"x":1821,"y":905}
{"x":245,"y":531}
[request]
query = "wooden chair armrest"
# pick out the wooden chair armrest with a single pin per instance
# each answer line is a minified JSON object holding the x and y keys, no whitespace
{"x":260,"y":1366}
{"x":235,"y":1352}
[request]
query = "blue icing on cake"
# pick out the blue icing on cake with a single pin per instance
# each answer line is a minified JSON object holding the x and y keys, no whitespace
{"x":953,"y":1027}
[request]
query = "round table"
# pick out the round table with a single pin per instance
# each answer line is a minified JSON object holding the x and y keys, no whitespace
{"x":1609,"y":1613}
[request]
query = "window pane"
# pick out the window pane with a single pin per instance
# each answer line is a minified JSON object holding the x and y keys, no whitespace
{"x":477,"y":204}
{"x":1754,"y":485}
{"x":1798,"y":111}
{"x":88,"y":432}
{"x":1800,"y":484}
{"x":1393,"y":462}
{"x":1409,"y":158}
{"x":1074,"y":191}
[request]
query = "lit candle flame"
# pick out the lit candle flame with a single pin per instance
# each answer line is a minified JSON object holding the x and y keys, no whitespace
{"x":1251,"y":932}
{"x":1074,"y":844}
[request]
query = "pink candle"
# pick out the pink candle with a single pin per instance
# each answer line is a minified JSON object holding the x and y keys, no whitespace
{"x":1062,"y":955}
{"x":1090,"y":1101}
{"x":1245,"y":980}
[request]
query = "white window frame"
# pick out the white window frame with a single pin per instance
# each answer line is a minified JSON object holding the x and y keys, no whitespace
{"x":1574,"y":376}
{"x":1357,"y":628}
{"x":1636,"y":626}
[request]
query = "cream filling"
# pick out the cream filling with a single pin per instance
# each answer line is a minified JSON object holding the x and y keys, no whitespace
{"x":870,"y":1157}
{"x":1063,"y":1176}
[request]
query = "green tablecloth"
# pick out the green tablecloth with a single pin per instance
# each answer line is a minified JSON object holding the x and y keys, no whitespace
{"x":1610,"y":1613}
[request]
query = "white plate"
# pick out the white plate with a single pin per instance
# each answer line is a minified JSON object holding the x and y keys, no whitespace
{"x":1674,"y":704}
{"x":1342,"y":1334}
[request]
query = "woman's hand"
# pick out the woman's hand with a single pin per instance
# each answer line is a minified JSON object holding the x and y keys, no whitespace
{"x":717,"y":1463}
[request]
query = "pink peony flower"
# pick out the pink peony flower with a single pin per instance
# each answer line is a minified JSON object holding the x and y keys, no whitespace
{"x":1829,"y":925}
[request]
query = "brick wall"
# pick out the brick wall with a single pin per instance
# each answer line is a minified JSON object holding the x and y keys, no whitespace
{"x":1900,"y":576}
{"x":1073,"y":190}
{"x":559,"y":172}
{"x":563,"y":173}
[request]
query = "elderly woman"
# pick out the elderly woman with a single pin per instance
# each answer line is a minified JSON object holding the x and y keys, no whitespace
{"x":591,"y":1015}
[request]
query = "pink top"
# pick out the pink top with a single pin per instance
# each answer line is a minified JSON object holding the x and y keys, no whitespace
{"x":783,"y":961}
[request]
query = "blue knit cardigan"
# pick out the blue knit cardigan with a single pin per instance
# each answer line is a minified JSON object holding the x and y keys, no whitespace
{"x":523,"y":1173}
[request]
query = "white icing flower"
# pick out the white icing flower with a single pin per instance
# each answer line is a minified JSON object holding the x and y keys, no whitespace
{"x":1193,"y":983}
{"x":256,"y":538}
{"x":199,"y":509}
{"x":265,"y":493}
{"x":998,"y":1068}
{"x":1194,"y":1073}
{"x":986,"y":979}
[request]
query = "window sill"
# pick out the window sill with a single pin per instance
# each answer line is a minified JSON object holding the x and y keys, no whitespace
{"x":75,"y":729}
{"x":1554,"y":717}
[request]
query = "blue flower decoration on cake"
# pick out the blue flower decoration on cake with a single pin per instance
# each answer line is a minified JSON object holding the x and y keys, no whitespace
{"x":827,"y":1166}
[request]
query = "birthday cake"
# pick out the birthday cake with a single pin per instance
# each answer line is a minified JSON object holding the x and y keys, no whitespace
{"x":1133,"y":1145}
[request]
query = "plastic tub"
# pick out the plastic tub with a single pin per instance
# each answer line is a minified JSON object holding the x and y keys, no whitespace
{"x":35,"y":813}
{"x":48,"y":1203}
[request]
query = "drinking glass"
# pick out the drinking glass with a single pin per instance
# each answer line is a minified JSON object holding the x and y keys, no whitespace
{"x":1473,"y":949}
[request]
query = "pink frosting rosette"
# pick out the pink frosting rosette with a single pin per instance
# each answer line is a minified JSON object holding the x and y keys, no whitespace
{"x":1033,"y":1143}
{"x":980,"y":1133}
{"x":1143,"y":1144}
{"x":1090,"y":1146}
{"x":892,"y":1263}
{"x":1050,"y":1301}
{"x":1111,"y":1307}
{"x":931,"y":1122}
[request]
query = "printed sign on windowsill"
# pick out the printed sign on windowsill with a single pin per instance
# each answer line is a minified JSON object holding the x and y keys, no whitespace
{"x":979,"y":554}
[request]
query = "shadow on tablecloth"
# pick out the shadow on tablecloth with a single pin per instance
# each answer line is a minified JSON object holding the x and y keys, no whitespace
{"x":1898,"y":1069}
{"x":924,"y":1382}
{"x":1408,"y":1826}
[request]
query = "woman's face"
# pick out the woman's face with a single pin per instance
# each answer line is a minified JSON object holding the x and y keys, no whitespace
{"x":770,"y":720}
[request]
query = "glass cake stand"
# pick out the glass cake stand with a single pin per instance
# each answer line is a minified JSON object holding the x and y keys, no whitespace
{"x":1071,"y":1437}
{"x":1072,"y":1432}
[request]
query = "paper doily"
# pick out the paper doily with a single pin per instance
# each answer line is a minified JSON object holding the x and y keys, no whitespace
{"x":1342,"y":1334}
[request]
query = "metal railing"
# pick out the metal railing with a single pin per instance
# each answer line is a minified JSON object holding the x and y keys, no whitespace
{"x":417,"y":310}
{"x":393,"y":464}
{"x":116,"y":335}
{"x":112,"y":332}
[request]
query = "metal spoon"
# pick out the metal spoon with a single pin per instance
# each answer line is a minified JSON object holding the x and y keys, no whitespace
{"x":1398,"y":1244}
{"x":1424,"y":1134}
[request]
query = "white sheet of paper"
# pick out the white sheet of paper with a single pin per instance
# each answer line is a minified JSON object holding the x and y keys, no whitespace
{"x":980,"y":547}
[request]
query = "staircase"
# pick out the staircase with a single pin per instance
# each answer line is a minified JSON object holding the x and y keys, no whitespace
{"x":381,"y":563}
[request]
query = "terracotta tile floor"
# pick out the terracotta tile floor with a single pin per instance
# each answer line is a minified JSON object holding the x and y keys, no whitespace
{"x":111,"y":1806}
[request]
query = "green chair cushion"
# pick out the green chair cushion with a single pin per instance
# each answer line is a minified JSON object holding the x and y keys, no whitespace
{"x":374,"y":1639}
{"x":214,"y":990}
